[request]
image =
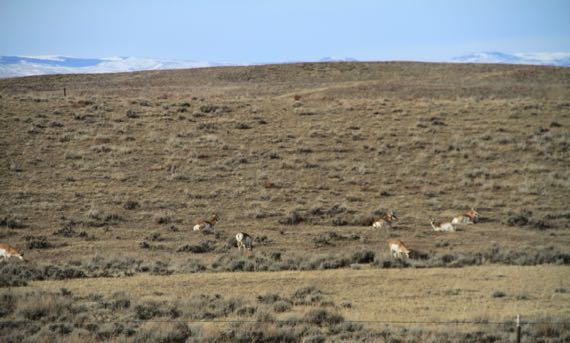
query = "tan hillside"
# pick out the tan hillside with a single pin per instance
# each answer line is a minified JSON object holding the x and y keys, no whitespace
{"x":110,"y":179}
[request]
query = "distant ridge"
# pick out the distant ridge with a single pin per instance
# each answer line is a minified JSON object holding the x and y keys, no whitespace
{"x":338,"y":59}
{"x":15,"y":66}
{"x":539,"y":58}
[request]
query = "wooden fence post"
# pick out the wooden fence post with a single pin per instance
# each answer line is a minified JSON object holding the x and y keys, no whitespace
{"x":64,"y":92}
{"x":518,"y":328}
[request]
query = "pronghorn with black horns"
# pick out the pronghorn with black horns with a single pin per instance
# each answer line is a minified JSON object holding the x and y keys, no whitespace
{"x":387,"y":221}
{"x":204,"y":224}
{"x":471,"y":217}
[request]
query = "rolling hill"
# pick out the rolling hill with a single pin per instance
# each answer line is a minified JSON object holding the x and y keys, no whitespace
{"x":101,"y":188}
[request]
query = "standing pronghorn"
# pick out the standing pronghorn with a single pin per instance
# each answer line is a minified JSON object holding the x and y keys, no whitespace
{"x":385,"y":221}
{"x":470,"y":217}
{"x":203,"y":224}
{"x":6,"y":251}
{"x":398,"y":248}
{"x":439,"y":226}
{"x":244,"y":241}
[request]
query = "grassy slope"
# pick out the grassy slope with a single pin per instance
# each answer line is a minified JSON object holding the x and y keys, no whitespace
{"x":423,"y":139}
{"x":381,"y":295}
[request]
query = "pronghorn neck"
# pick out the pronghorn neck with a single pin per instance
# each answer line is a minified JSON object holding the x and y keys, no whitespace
{"x":212,"y":220}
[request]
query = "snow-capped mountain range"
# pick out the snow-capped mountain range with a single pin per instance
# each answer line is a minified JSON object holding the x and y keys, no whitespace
{"x":538,"y":58}
{"x":14,"y":66}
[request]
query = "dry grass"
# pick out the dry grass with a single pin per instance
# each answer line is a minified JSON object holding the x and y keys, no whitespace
{"x":422,"y":294}
{"x":127,"y":163}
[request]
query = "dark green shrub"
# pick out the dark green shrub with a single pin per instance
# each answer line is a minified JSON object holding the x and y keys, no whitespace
{"x":37,"y":242}
{"x":363,"y":256}
{"x":200,"y":248}
{"x":268,"y":298}
{"x":322,"y":317}
{"x":293,"y":218}
{"x":498,"y":294}
{"x":281,"y":306}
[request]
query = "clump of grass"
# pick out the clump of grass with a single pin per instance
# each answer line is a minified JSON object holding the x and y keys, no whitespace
{"x":155,"y":237}
{"x":498,"y":294}
{"x":66,"y":231}
{"x":306,"y":296}
{"x":328,"y":237}
{"x":268,"y":298}
{"x":200,"y":248}
{"x":50,"y":307}
{"x":118,"y":301}
{"x":130,"y":205}
{"x":281,"y":306}
{"x":442,"y":243}
{"x":262,"y":240}
{"x":293,"y":218}
{"x":38,"y":242}
{"x":210,"y":306}
{"x":363,"y":256}
{"x":151,"y":309}
{"x":242,"y":126}
{"x":162,"y":218}
{"x":99,"y":266}
{"x":7,"y":303}
{"x":191,"y":266}
{"x":208,"y":127}
{"x":178,"y":332}
{"x":11,"y":223}
{"x":132,"y":113}
{"x":524,"y":218}
{"x":322,"y":317}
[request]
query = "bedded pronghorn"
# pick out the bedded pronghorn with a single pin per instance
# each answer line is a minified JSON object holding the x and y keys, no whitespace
{"x":244,"y":241}
{"x":439,"y":226}
{"x":470,"y":217}
{"x":204,"y":224}
{"x":388,"y":221}
{"x":398,"y":248}
{"x":6,"y":251}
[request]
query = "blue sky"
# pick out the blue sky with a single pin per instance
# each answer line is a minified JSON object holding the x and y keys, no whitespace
{"x":251,"y":31}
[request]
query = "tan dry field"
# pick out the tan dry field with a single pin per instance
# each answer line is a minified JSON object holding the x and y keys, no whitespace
{"x":425,"y":295}
{"x":127,"y":163}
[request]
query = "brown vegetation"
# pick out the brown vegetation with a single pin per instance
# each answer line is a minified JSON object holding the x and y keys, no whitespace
{"x":109,"y":180}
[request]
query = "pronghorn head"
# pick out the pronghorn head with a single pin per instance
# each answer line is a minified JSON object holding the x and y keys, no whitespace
{"x":474,"y":215}
{"x":392,"y":216}
{"x":15,"y":253}
{"x":214,"y":218}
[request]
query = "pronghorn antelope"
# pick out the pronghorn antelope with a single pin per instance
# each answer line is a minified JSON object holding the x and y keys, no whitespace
{"x":398,"y":248}
{"x":439,"y":226}
{"x":385,"y":221}
{"x":470,"y":217}
{"x":6,"y":251}
{"x":203,"y":224}
{"x":244,"y":241}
